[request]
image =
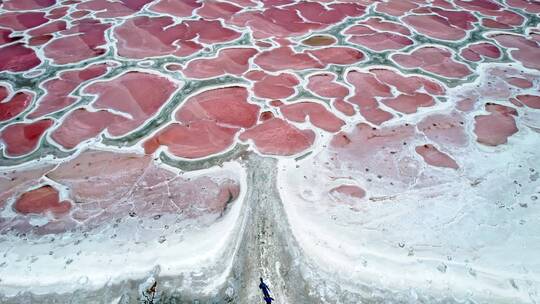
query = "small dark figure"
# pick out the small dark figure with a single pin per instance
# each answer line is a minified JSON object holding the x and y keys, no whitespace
{"x":266,"y":292}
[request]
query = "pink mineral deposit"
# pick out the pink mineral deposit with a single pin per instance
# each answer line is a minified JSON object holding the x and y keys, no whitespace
{"x":23,"y":138}
{"x":434,"y":157}
{"x":495,"y":128}
{"x":42,"y":201}
{"x":278,"y":137}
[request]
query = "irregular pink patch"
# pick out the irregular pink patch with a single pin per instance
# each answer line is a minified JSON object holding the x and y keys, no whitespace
{"x":475,"y":52}
{"x":495,"y":128}
{"x":381,"y":41}
{"x":5,"y":36}
{"x":42,"y":200}
{"x":274,"y":22}
{"x":263,"y":44}
{"x":445,"y":130}
{"x":490,"y":23}
{"x":502,"y":17}
{"x":228,"y":61}
{"x":79,"y":14}
{"x":531,"y":101}
{"x":409,"y":104}
{"x":443,"y":3}
{"x":519,"y":82}
{"x":435,"y":26}
{"x":500,"y":109}
{"x":194,"y":140}
{"x":324,"y":85}
{"x":22,"y":138}
{"x":21,"y":21}
{"x":210,"y":32}
{"x":522,"y":49}
{"x":218,"y":10}
{"x":271,"y":3}
{"x":529,"y":6}
{"x":407,"y":84}
{"x":432,"y":156}
{"x":182,"y":8}
{"x":367,"y":88}
{"x":85,"y":39}
{"x":138,"y":94}
{"x":318,"y":115}
{"x":382,"y":25}
{"x":395,"y":8}
{"x":49,"y":28}
{"x":15,"y":106}
{"x":58,"y":13}
{"x":274,"y":87}
{"x":17,"y":58}
{"x":81,"y":125}
{"x":284,"y":58}
{"x":208,"y":123}
{"x":23,"y":5}
{"x":37,"y":41}
{"x":113,"y":9}
{"x":379,"y":35}
{"x":226,"y":106}
{"x":441,"y":24}
{"x":333,"y":13}
{"x":461,"y":19}
{"x":436,"y":60}
{"x":368,"y":85}
{"x":141,"y":37}
{"x":19,"y":180}
{"x":337,"y":55}
{"x":344,"y":107}
{"x":277,"y":137}
{"x":403,"y":93}
{"x":58,"y":92}
{"x":479,"y":5}
{"x":466,"y":104}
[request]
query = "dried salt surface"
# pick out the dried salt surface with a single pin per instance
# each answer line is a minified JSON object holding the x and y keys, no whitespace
{"x":368,"y":151}
{"x":459,"y":224}
{"x":192,"y":241}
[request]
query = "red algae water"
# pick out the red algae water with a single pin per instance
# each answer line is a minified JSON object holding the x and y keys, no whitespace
{"x":366,"y":151}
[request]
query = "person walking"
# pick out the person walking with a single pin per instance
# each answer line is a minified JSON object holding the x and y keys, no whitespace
{"x":266,"y":292}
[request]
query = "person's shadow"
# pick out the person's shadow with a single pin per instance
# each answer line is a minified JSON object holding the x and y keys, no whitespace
{"x":266,"y":292}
